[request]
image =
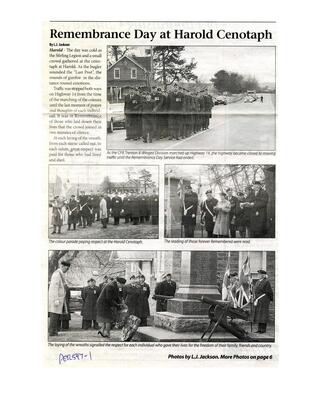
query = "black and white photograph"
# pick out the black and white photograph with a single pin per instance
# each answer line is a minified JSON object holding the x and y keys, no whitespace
{"x":103,"y":201}
{"x":161,"y":296}
{"x":191,"y":98}
{"x":220,"y":201}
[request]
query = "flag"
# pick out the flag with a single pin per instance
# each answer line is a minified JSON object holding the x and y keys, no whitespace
{"x":66,"y":187}
{"x":243,"y":293}
{"x":226,"y":280}
{"x":181,"y":190}
{"x":58,"y":190}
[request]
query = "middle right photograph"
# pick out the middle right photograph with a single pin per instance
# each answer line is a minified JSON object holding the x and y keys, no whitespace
{"x":220,"y":201}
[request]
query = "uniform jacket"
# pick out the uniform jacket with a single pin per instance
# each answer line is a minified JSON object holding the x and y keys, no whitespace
{"x":261,"y":311}
{"x":135,"y":207}
{"x":84,"y":206}
{"x":154,"y":205}
{"x":132,"y":297}
{"x":142,"y":200}
{"x":116,"y":206}
{"x":209,"y":216}
{"x":168,"y":288}
{"x":107,"y":301}
{"x":191,"y":204}
{"x":145,"y":293}
{"x":158,"y":102}
{"x":127,"y":205}
{"x":258,"y":215}
{"x":57,"y":293}
{"x":90,"y":296}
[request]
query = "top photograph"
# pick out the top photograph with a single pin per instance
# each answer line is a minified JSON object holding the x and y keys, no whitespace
{"x":217,"y":98}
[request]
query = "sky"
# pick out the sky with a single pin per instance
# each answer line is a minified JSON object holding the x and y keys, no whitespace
{"x":94,"y":174}
{"x":255,"y":61}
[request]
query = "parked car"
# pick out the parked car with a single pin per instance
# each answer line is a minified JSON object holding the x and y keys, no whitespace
{"x":220,"y":100}
{"x":115,"y":116}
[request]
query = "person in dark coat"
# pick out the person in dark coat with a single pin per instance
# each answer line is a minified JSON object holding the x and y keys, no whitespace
{"x":262,"y":296}
{"x":176,"y":108}
{"x":148,"y":118}
{"x":208,"y":216}
{"x":84,"y":209}
{"x":158,"y":113}
{"x":154,"y":208}
{"x":208,"y":107}
{"x":258,"y":216}
{"x":241,"y":218}
{"x":116,"y":207}
{"x":73,"y":211}
{"x":103,"y":283}
{"x":142,"y":201}
{"x":107,"y":302}
{"x":145,"y":293}
{"x":158,"y":291}
{"x":127,"y":207}
{"x":233,"y":213}
{"x":96,"y":206}
{"x":132,"y":296}
{"x":135,"y":209}
{"x":90,"y":296}
{"x":169,"y":286}
{"x":189,"y":212}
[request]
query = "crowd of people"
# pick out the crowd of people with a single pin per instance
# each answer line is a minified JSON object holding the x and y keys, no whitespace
{"x":245,"y":212}
{"x":83,"y":210}
{"x":157,"y":114}
{"x":108,"y":305}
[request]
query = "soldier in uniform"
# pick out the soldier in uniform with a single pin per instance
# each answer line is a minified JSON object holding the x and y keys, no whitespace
{"x":96,"y":206}
{"x":127,"y":209}
{"x":57,"y":217}
{"x":176,"y":109}
{"x":145,"y":293}
{"x":142,"y":207}
{"x":167,"y":288}
{"x":189,"y":211}
{"x":73,"y":211}
{"x":158,"y":113}
{"x":132,"y":296}
{"x":90,"y":205}
{"x":148,"y":118}
{"x":90,"y":295}
{"x":84,"y":209}
{"x":233,"y":213}
{"x":116,"y":207}
{"x":160,"y":303}
{"x":241,"y":220}
{"x":135,"y":209}
{"x":258,"y":205}
{"x":208,"y":216}
{"x":262,"y":296}
{"x":154,"y":208}
{"x":128,"y":108}
{"x":208,"y":107}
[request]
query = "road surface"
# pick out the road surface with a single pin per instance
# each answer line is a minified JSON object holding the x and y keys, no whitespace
{"x":122,"y":231}
{"x":236,"y":126}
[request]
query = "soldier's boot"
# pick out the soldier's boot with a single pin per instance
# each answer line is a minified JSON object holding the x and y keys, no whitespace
{"x":54,"y":230}
{"x":69,"y":227}
{"x":74,"y":227}
{"x":59,"y":229}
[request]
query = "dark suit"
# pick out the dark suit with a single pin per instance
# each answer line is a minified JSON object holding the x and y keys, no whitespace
{"x":116,"y":206}
{"x":258,"y":215}
{"x":132,"y":298}
{"x":209,"y":214}
{"x":89,"y":311}
{"x":145,"y":311}
{"x":189,"y":213}
{"x":261,"y":310}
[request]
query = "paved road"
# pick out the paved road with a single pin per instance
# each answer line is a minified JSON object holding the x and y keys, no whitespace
{"x":237,"y":126}
{"x":122,"y":231}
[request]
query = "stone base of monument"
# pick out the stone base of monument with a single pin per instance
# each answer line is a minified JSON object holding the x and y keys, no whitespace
{"x":180,"y":323}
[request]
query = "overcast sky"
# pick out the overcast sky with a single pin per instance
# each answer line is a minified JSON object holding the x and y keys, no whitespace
{"x":254,"y":61}
{"x":94,"y":174}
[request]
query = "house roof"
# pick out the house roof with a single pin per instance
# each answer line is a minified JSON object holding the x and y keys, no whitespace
{"x":141,"y":62}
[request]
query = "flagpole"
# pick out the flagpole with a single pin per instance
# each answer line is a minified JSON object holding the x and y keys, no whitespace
{"x":250,"y":292}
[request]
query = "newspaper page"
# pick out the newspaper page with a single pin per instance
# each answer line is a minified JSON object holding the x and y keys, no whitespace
{"x":160,"y":187}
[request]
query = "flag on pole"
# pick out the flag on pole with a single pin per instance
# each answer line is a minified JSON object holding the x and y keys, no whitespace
{"x":226,"y":280}
{"x":245,"y":283}
{"x":181,"y":191}
{"x":58,"y":186}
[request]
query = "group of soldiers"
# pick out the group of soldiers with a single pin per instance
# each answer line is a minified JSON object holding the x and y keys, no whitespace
{"x":85,"y":209}
{"x":245,"y":212}
{"x":157,"y":114}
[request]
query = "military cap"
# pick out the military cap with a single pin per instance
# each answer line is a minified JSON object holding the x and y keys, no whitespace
{"x":188,"y":187}
{"x":159,"y":89}
{"x":91,"y":280}
{"x":72,"y":195}
{"x":132,"y":277}
{"x":256,"y":183}
{"x":169,"y":274}
{"x":121,"y":280}
{"x":208,"y":191}
{"x":261,"y":271}
{"x":232,"y":274}
{"x":66,"y":263}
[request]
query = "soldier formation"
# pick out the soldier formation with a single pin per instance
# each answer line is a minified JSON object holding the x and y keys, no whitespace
{"x":245,"y":213}
{"x":85,"y":209}
{"x":158,"y":114}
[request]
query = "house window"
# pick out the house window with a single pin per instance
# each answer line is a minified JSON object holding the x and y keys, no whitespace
{"x":133,"y":73}
{"x":117,"y":73}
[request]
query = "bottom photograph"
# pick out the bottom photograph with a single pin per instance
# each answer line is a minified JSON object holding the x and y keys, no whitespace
{"x":161,"y":296}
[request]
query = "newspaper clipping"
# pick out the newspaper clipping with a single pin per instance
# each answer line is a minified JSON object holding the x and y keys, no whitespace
{"x":160,"y":187}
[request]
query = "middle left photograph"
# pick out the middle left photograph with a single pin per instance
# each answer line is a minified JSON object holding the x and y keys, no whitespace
{"x":103,"y":201}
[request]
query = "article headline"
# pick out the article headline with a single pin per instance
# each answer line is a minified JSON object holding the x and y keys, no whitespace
{"x":180,"y":34}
